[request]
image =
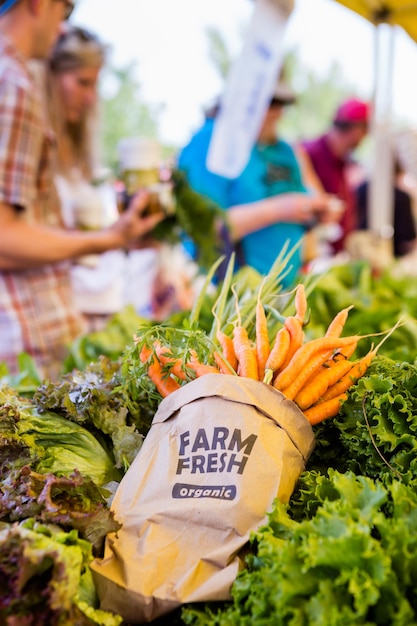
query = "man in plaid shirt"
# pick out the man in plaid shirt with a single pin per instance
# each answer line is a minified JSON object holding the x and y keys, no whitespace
{"x":37,"y":315}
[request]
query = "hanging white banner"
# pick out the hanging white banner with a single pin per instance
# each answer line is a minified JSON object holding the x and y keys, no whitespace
{"x":249,"y":87}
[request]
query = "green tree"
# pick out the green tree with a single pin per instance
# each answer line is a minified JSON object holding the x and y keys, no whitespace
{"x":218,"y":51}
{"x":317,"y":98}
{"x":123,"y":111}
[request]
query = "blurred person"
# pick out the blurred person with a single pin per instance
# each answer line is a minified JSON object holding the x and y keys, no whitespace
{"x":87,"y":202}
{"x":404,"y":226}
{"x":405,"y":141}
{"x":158,"y":278}
{"x":330,"y":158}
{"x":268,"y":204}
{"x":37,"y":313}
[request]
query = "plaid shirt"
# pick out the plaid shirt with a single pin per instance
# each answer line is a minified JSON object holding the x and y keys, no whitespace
{"x":37,"y":315}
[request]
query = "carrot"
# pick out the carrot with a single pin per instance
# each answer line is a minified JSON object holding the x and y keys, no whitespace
{"x":359,"y":368}
{"x":162,"y":381}
{"x":222,"y":364}
{"x":345,"y":352}
{"x":169,"y":361}
{"x":226,"y":344}
{"x":277,"y":355}
{"x":262,"y":338}
{"x":324,"y":410}
{"x":316,"y":386}
{"x":300,"y":303}
{"x":244,"y":349}
{"x":356,"y":371}
{"x":295,"y":328}
{"x":310,"y":368}
{"x":245,"y":353}
{"x":228,"y":349}
{"x":303,"y":355}
{"x":200,"y":369}
{"x":337,"y":324}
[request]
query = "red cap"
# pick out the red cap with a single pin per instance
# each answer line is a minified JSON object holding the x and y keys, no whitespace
{"x":353,"y":111}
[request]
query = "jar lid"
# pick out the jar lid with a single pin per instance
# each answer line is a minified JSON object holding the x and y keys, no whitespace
{"x":139,"y":153}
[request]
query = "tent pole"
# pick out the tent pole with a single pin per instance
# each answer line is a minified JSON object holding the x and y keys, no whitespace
{"x":381,"y":192}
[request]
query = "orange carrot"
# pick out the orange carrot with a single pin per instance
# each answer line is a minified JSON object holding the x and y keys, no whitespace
{"x":295,"y":328}
{"x":169,"y":361}
{"x":345,"y":352}
{"x":162,"y":381}
{"x":222,"y":364}
{"x":245,"y":353}
{"x":310,"y":368}
{"x":356,"y":371}
{"x":262,"y":338}
{"x":317,"y":386}
{"x":305,"y":353}
{"x":359,"y":368}
{"x":228,"y":349}
{"x":200,"y":369}
{"x":337,"y":324}
{"x":300,"y":303}
{"x":324,"y":410}
{"x":277,"y":355}
{"x":145,"y":353}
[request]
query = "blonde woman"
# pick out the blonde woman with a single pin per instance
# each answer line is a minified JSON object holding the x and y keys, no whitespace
{"x":71,"y":80}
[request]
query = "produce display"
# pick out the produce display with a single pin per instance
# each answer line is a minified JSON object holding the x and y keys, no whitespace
{"x":380,"y":301}
{"x":315,"y":374}
{"x":342,"y":551}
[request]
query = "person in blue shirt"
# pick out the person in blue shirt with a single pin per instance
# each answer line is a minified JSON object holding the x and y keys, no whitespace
{"x":268,"y":204}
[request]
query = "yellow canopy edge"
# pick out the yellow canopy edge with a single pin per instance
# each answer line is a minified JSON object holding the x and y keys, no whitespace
{"x":396,"y":12}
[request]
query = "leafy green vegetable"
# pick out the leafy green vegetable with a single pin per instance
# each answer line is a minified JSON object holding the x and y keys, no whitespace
{"x":195,"y":216}
{"x":45,"y":578}
{"x":349,"y":563}
{"x":109,"y":342}
{"x":73,"y":502}
{"x":379,"y":302}
{"x":53,"y":443}
{"x":378,"y":422}
{"x":91,"y":398}
{"x":28,"y":378}
{"x":117,"y":333}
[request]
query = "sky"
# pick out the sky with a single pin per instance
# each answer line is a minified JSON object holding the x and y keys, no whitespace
{"x":167,"y":40}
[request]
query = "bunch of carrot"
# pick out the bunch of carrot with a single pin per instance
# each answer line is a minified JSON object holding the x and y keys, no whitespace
{"x":315,"y":374}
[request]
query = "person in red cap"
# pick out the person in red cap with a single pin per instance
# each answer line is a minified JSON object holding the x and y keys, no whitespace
{"x":329,"y":157}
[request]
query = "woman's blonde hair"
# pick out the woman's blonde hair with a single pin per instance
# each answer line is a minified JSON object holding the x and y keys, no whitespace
{"x":76,"y":142}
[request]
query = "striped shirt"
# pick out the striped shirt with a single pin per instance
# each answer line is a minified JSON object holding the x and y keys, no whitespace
{"x":37,"y":315}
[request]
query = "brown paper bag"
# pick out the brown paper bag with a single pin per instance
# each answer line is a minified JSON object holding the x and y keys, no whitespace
{"x":219,"y":451}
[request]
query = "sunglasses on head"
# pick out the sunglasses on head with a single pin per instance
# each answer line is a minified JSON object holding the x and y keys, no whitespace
{"x":82,"y":35}
{"x":276,"y":102}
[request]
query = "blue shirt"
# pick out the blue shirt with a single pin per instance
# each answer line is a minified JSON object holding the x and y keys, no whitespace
{"x":271,"y":170}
